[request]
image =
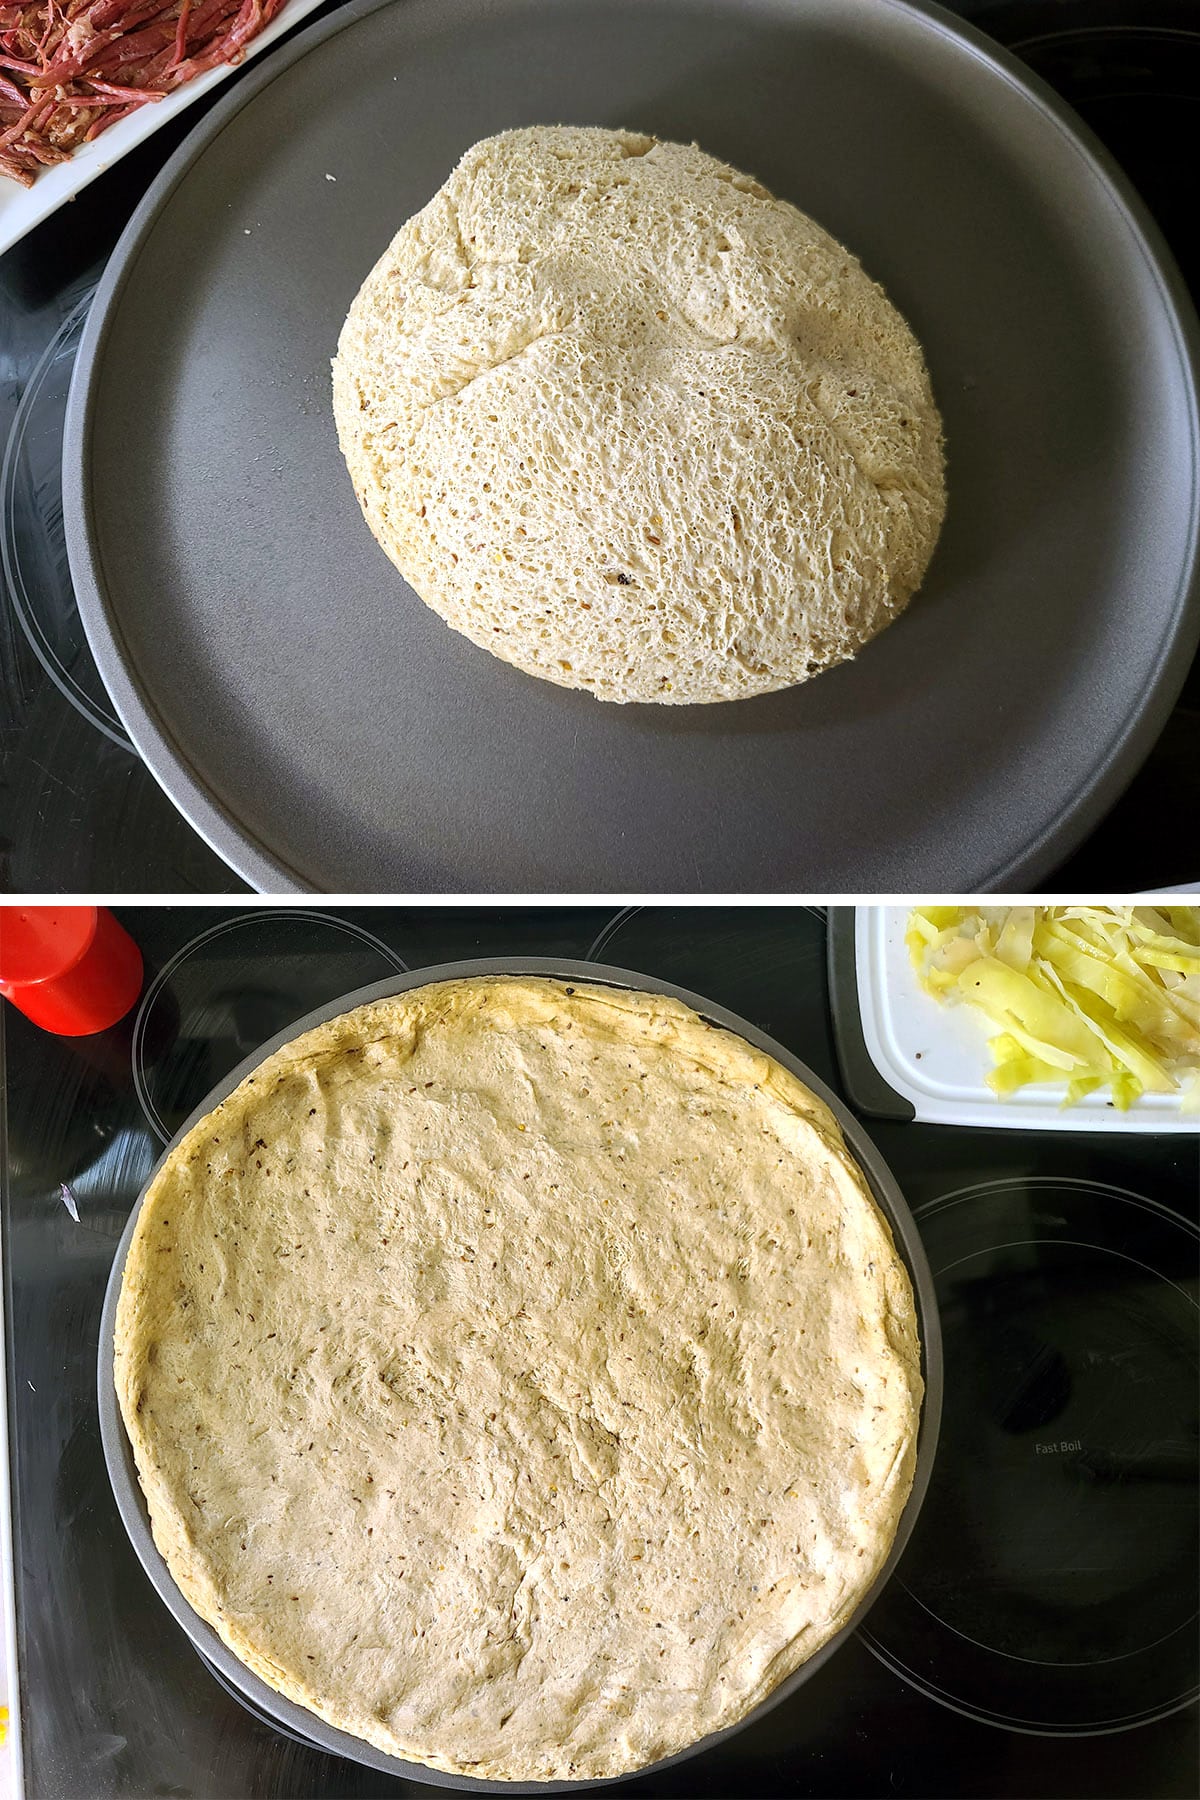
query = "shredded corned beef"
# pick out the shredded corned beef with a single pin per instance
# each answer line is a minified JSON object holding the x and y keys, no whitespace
{"x":71,"y":68}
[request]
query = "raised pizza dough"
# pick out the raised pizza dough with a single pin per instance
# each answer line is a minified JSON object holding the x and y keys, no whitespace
{"x":520,"y":1375}
{"x":633,"y":424}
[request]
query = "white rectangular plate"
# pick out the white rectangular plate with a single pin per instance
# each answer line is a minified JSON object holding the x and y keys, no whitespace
{"x":937,"y":1057}
{"x":23,"y":208}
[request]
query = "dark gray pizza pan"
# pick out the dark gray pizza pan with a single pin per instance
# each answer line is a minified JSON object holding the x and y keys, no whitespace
{"x":119,"y":1456}
{"x":324,"y":730}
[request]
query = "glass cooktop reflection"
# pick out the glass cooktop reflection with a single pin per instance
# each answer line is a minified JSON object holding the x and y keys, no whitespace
{"x":1052,"y":1583}
{"x":1046,"y":1604}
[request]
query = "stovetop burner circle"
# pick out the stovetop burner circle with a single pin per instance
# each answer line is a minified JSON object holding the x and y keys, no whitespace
{"x":232,"y":988}
{"x":33,"y":548}
{"x":1051,"y":1582}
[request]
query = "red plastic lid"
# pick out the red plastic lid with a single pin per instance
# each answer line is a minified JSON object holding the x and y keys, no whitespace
{"x":71,"y":969}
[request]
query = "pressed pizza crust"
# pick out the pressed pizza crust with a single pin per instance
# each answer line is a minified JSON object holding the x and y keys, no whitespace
{"x":520,"y":1375}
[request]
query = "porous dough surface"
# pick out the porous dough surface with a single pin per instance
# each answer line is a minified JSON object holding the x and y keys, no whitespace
{"x":633,"y":424}
{"x":520,"y":1375}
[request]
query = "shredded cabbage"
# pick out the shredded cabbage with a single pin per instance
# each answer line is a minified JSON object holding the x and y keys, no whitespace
{"x":1087,"y":996}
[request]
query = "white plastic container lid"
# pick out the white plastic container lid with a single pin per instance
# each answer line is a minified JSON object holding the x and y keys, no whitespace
{"x":936,"y":1055}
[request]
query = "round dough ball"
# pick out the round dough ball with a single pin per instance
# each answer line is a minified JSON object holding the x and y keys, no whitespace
{"x":631,"y":423}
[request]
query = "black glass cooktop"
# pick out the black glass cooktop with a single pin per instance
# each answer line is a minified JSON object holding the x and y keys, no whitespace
{"x":80,"y":813}
{"x":1039,"y":1637}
